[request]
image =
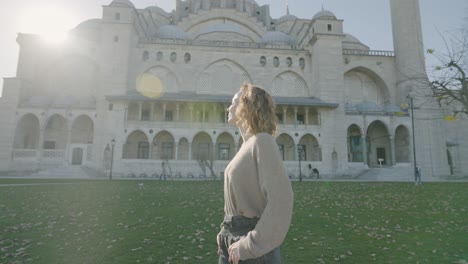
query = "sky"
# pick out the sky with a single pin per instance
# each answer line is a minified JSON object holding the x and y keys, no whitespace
{"x":368,"y":20}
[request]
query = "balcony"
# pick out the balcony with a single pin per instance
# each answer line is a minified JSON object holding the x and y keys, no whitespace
{"x":381,"y":53}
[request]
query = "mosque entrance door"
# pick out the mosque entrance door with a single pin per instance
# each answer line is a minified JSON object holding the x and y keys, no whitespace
{"x":77,"y":156}
{"x":381,"y":159}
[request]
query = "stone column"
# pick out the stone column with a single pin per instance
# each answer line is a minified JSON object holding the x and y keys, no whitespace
{"x":150,"y":149}
{"x":177,"y":111}
{"x":213,"y":153}
{"x":152,"y":112}
{"x":68,"y":147}
{"x":191,"y":112}
{"x":392,"y":150}
{"x":203,"y":113}
{"x":164,"y":112}
{"x":285,"y":109}
{"x":364,"y":149}
{"x":295,"y":116}
{"x":176,"y":148}
{"x":190,"y":150}
{"x":306,"y":116}
{"x":140,"y":109}
{"x":215,"y":108}
{"x":225,"y":113}
{"x":40,"y":147}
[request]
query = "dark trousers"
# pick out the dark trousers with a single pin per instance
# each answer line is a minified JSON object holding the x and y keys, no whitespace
{"x":234,"y":228}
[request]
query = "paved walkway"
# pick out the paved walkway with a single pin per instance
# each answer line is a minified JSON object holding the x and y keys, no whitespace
{"x":34,"y":184}
{"x":426,"y":180}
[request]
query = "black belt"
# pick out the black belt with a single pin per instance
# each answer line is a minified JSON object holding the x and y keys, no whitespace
{"x":239,"y":222}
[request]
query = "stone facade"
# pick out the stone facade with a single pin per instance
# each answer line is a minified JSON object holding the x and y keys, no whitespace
{"x":145,"y":86}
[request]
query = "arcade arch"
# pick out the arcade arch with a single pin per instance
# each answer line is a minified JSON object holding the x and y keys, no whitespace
{"x":136,"y":146}
{"x":378,"y":139}
{"x":27,"y":133}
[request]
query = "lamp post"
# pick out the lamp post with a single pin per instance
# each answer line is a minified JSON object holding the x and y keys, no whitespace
{"x":299,"y":151}
{"x":112,"y":158}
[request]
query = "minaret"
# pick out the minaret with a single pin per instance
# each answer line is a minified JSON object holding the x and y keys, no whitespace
{"x":408,"y":45}
{"x":412,"y":82}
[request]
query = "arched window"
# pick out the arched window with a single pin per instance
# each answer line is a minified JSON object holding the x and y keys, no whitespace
{"x":159,"y":56}
{"x":173,"y":56}
{"x":302,"y":63}
{"x":145,"y":55}
{"x":275,"y":61}
{"x":187,"y":57}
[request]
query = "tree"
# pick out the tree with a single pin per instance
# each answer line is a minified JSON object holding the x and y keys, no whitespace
{"x":449,"y":80}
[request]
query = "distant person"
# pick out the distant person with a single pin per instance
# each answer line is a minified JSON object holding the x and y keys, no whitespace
{"x":163,"y":171}
{"x":258,"y":198}
{"x":417,"y":175}
{"x":316,"y":173}
{"x":311,"y":175}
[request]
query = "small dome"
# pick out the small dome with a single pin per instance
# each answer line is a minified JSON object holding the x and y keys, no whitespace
{"x":351,"y":39}
{"x":286,"y":18}
{"x":122,"y":3}
{"x":221,"y":27}
{"x":171,"y":32}
{"x":368,"y":107}
{"x":324,"y":14}
{"x":276,"y":37}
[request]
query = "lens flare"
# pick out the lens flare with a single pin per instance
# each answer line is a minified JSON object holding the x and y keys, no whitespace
{"x":50,"y":22}
{"x":149,"y":85}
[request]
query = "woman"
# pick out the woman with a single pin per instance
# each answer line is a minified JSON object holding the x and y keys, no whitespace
{"x":258,"y":198}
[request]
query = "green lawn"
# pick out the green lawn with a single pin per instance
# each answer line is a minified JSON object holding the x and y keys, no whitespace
{"x":176,"y":222}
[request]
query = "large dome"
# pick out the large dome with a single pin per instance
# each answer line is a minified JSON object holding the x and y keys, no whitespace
{"x":124,"y":3}
{"x":286,"y":18}
{"x":276,"y":37}
{"x":89,"y":29}
{"x":89,"y":24}
{"x":171,"y":32}
{"x":221,"y":27}
{"x":324,"y":14}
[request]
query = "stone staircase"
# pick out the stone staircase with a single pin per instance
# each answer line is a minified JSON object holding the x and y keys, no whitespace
{"x":393,"y":174}
{"x":66,"y":172}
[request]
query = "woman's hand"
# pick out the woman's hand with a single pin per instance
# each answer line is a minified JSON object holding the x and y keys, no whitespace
{"x":233,"y":251}
{"x":218,"y":239}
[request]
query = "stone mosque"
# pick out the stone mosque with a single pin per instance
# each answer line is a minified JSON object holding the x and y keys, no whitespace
{"x":138,"y":87}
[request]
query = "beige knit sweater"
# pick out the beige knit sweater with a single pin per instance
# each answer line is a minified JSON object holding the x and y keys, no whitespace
{"x":256,"y":185}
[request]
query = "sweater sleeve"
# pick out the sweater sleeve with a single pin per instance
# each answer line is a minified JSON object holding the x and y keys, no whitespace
{"x":274,"y":222}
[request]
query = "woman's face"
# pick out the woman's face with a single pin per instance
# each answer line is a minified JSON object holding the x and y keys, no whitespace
{"x":232,"y":117}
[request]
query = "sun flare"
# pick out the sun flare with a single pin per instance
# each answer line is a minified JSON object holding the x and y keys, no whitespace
{"x":51,"y":23}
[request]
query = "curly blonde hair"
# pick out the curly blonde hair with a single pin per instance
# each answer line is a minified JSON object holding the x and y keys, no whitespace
{"x":256,"y":110}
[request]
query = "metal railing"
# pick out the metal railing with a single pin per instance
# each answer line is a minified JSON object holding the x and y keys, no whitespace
{"x":381,"y":53}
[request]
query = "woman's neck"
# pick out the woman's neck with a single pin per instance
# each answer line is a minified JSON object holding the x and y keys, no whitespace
{"x":245,"y":135}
